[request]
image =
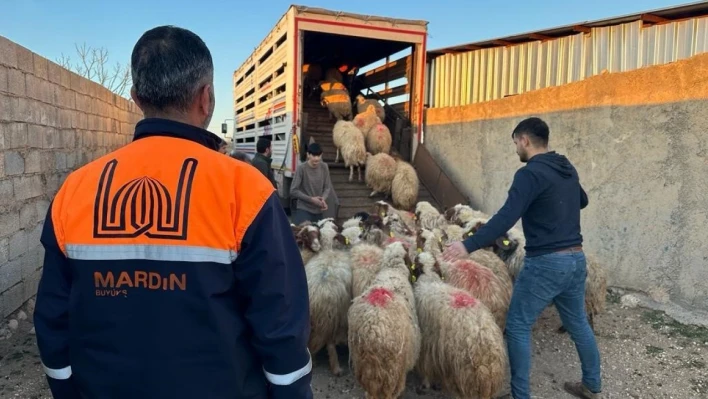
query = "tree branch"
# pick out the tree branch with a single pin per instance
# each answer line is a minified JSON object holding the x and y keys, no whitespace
{"x":93,"y":65}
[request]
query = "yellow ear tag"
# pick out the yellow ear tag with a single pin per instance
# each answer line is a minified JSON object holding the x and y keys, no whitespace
{"x":412,"y":267}
{"x":346,"y":240}
{"x":413,"y":278}
{"x":420,"y":250}
{"x":439,"y":239}
{"x":390,"y":234}
{"x":470,"y":234}
{"x":506,"y":242}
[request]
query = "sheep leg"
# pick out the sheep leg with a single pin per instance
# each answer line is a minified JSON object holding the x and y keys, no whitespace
{"x":333,"y":360}
{"x":358,"y":169}
{"x":336,"y":159}
{"x":351,"y":172}
{"x":373,"y":193}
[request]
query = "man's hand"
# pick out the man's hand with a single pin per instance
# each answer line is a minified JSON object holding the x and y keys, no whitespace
{"x":454,"y":251}
{"x":322,"y":203}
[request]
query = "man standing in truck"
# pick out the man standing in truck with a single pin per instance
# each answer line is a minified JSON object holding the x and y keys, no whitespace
{"x":311,"y":187}
{"x":546,"y":194}
{"x":170,"y":270}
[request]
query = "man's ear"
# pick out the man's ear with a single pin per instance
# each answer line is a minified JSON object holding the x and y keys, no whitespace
{"x":134,"y":96}
{"x":205,"y":99}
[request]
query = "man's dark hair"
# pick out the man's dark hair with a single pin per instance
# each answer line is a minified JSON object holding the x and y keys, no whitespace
{"x":262,"y":145}
{"x":535,"y":129}
{"x":169,"y":66}
{"x":314,"y":149}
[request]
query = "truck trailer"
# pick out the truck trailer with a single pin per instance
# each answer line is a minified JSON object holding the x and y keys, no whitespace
{"x":273,"y":95}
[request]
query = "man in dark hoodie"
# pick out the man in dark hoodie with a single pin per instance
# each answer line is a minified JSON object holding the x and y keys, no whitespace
{"x":262,"y":160}
{"x":546,"y":194}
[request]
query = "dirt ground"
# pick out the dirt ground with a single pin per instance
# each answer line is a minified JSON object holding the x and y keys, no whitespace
{"x":645,"y":354}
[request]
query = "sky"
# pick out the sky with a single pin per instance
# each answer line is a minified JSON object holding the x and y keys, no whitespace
{"x":232,"y":29}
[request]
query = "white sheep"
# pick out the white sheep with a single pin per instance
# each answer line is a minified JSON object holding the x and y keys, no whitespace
{"x":384,"y":335}
{"x":462,"y":347}
{"x":308,"y":240}
{"x":340,"y":132}
{"x":329,"y":281}
{"x":378,"y":139}
{"x":464,"y":214}
{"x":428,"y":217}
{"x":379,"y":174}
{"x":405,"y":186}
{"x":354,"y":152}
{"x":366,"y":263}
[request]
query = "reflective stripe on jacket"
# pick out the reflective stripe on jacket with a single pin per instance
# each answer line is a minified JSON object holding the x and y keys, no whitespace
{"x":334,"y":92}
{"x":171,"y":271}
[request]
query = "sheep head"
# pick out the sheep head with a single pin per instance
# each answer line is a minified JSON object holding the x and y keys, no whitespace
{"x":502,"y":246}
{"x":381,"y":208}
{"x":309,"y":237}
{"x":360,"y":99}
{"x":341,"y":242}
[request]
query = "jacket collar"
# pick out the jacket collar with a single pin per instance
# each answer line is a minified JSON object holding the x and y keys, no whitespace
{"x":259,"y":155}
{"x":150,"y":127}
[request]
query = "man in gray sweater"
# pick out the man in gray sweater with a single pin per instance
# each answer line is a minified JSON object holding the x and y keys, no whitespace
{"x":311,"y":187}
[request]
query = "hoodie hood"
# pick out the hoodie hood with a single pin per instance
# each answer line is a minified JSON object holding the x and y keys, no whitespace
{"x":555,"y":161}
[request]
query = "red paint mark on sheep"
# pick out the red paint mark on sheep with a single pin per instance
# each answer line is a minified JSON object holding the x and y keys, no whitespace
{"x":379,"y":297}
{"x":471,"y":274}
{"x":462,"y":300}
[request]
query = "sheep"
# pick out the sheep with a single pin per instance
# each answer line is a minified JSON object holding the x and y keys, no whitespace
{"x":384,"y":335}
{"x":366,"y":263}
{"x":340,"y":132}
{"x":383,"y":209}
{"x":464,"y":214}
{"x":462,"y":346}
{"x":379,"y":174}
{"x":308,"y":239}
{"x":482,"y":283}
{"x":354,"y":152}
{"x":329,"y":281}
{"x":428,"y":217}
{"x":595,"y":290}
{"x":404,"y":188}
{"x":378,"y":139}
{"x":366,"y":120}
{"x":509,"y":247}
{"x":450,"y":233}
{"x":362,"y":104}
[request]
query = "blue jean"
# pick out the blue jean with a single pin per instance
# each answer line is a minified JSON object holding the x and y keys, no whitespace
{"x":559,"y":278}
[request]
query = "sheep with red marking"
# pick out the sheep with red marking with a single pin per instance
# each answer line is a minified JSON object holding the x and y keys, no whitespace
{"x":384,"y":336}
{"x":462,"y":347}
{"x":329,"y":282}
{"x":362,"y":104}
{"x":366,"y":263}
{"x":379,"y":173}
{"x":378,"y":139}
{"x":464,"y":214}
{"x":366,"y":120}
{"x":383,"y":209}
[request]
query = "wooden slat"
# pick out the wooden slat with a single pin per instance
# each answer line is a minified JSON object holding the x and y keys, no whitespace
{"x":386,"y":73}
{"x":394,"y":91}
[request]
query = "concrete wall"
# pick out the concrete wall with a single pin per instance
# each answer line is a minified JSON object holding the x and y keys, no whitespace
{"x":640,"y":144}
{"x":51,"y":122}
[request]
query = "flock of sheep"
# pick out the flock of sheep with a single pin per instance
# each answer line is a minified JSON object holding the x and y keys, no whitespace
{"x":366,"y":141}
{"x":378,"y":284}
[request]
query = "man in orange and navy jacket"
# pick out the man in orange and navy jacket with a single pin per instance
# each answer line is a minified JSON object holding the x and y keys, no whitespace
{"x":171,"y":270}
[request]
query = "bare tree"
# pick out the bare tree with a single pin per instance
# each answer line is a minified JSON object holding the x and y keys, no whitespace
{"x":93,"y":65}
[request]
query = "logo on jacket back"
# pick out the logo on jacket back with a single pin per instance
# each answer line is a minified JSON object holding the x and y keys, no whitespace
{"x":143,"y":206}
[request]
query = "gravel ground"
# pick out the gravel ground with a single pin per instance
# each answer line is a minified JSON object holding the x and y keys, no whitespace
{"x":645,"y":354}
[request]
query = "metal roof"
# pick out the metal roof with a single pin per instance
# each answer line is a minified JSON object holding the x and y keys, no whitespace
{"x":690,"y":10}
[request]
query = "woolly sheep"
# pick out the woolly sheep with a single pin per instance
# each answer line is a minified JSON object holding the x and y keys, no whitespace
{"x":329,"y":280}
{"x":482,"y":283}
{"x":354,"y":153}
{"x":342,"y":132}
{"x":405,"y":186}
{"x":308,"y":239}
{"x":383,"y":208}
{"x":384,"y":335}
{"x":462,"y":347}
{"x":362,"y":104}
{"x":366,"y":120}
{"x":427,"y":217}
{"x":366,"y":263}
{"x":509,"y":247}
{"x":379,"y":173}
{"x":378,"y":139}
{"x":464,"y":214}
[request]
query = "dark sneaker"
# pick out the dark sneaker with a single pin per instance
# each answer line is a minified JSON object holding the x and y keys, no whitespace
{"x":579,"y":390}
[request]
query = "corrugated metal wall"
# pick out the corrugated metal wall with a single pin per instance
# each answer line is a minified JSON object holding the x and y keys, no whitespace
{"x":490,"y":74}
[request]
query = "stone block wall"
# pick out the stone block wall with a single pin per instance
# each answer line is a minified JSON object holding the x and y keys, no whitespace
{"x":52,"y":121}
